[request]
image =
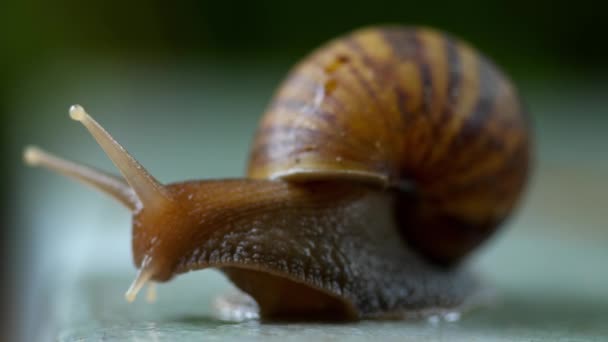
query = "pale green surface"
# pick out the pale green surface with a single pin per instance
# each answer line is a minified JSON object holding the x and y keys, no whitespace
{"x":536,"y":302}
{"x":549,"y":266}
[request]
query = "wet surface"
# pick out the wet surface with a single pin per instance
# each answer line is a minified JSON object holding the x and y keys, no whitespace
{"x":535,"y":301}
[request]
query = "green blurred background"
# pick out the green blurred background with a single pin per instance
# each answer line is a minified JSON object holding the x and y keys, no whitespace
{"x":182,"y":86}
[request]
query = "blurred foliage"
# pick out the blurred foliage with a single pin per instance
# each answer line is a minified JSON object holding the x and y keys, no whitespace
{"x":533,"y":33}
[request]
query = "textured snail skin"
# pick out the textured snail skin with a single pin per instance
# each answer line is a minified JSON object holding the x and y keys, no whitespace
{"x":384,"y":159}
{"x":322,"y":250}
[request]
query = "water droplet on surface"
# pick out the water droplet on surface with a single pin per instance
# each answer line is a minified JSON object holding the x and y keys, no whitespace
{"x":452,"y":316}
{"x":434,"y":319}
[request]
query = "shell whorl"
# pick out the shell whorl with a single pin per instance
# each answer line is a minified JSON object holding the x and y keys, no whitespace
{"x":404,"y":106}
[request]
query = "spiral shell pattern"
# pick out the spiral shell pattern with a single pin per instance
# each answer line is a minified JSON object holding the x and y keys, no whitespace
{"x":415,"y":111}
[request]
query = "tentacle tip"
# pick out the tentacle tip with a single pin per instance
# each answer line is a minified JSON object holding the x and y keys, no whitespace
{"x":130,"y":296}
{"x":133,"y":290}
{"x":31,"y":155}
{"x":143,"y":276}
{"x":77,"y":112}
{"x":151,"y":295}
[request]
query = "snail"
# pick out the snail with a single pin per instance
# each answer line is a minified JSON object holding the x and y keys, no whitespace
{"x":386,"y":158}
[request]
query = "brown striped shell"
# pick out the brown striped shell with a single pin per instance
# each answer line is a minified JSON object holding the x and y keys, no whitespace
{"x":411,"y":109}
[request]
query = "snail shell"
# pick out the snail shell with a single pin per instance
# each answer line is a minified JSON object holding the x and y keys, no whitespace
{"x":411,"y":109}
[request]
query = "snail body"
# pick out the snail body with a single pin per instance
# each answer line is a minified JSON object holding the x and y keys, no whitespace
{"x":384,"y":159}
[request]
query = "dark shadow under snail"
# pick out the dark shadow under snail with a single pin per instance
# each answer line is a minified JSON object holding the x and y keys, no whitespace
{"x":384,"y":159}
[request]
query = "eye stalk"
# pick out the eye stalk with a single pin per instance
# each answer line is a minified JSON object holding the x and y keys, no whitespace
{"x":137,"y":190}
{"x":148,"y":190}
{"x":110,"y":184}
